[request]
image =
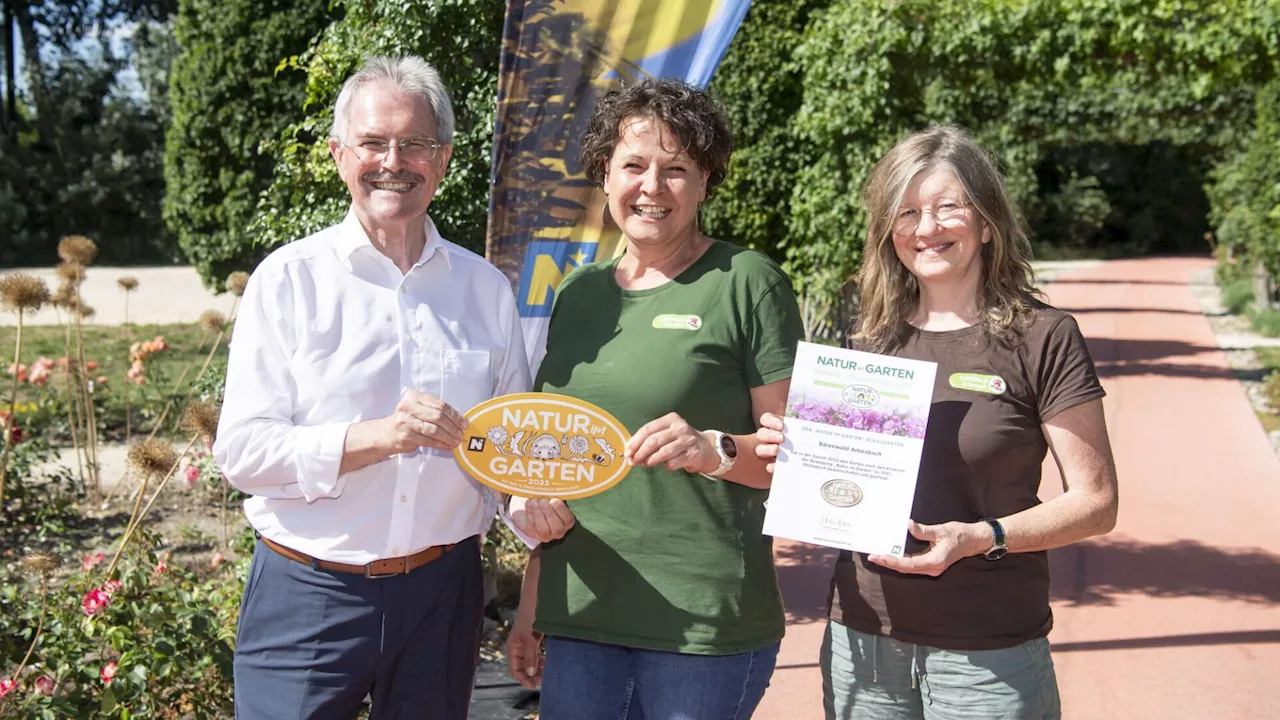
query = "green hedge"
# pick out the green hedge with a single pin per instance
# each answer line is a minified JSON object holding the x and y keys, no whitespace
{"x":1246,"y":189}
{"x":1109,"y":117}
{"x":228,"y":96}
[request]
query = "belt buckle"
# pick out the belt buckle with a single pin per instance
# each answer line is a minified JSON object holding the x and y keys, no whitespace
{"x":369,"y":573}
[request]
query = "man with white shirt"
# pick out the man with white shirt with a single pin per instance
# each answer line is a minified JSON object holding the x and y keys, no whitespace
{"x":354,"y":354}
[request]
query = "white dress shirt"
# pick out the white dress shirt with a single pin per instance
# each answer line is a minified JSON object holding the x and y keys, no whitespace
{"x":330,"y":332}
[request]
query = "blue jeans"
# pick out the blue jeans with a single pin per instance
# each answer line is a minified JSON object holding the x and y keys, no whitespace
{"x":869,"y":677}
{"x":585,"y":680}
{"x":312,"y":644}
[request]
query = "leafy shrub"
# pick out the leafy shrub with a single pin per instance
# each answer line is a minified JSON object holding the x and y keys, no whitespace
{"x":159,"y":644}
{"x":1246,"y":190}
{"x":1237,"y":295}
{"x":1266,"y":322}
{"x":1271,"y":391}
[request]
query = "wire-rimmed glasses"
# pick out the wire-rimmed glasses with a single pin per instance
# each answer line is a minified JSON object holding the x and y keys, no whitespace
{"x":947,"y":213}
{"x":414,"y":149}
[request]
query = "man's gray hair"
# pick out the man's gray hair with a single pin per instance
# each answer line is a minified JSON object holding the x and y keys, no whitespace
{"x":412,"y":75}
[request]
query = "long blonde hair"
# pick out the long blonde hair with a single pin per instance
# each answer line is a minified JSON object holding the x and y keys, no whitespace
{"x":889,"y":292}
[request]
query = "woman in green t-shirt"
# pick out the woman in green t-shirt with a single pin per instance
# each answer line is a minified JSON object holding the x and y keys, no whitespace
{"x":663,"y":597}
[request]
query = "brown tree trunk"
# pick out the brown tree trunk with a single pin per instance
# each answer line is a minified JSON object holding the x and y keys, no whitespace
{"x":10,"y":71}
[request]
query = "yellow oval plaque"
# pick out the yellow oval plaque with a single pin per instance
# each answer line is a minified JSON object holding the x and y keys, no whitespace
{"x":543,"y":445}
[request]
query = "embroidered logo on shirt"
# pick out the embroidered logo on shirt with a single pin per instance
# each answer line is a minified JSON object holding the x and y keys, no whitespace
{"x":990,"y":384}
{"x":677,"y":322}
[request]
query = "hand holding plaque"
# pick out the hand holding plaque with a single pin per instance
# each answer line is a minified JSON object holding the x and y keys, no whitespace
{"x":543,"y":445}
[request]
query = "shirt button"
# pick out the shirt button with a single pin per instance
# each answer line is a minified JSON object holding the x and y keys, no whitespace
{"x":404,"y":499}
{"x":395,"y":551}
{"x":403,"y":289}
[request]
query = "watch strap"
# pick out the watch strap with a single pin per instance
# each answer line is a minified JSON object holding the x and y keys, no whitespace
{"x":726,"y":462}
{"x":998,"y":547}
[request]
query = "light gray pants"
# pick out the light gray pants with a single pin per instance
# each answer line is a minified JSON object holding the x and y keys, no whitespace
{"x":868,"y":677}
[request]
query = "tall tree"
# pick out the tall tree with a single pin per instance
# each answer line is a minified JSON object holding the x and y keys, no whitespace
{"x":233,"y":89}
{"x":83,"y":153}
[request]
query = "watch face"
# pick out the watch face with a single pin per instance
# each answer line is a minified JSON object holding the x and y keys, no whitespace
{"x":996,"y":553}
{"x":729,"y":447}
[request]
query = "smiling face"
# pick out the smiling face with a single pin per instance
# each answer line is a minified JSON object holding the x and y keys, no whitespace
{"x":391,"y":189}
{"x":946,"y":252}
{"x":654,"y":187}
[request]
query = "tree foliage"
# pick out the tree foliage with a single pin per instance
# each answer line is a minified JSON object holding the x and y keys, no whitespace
{"x":229,"y":94}
{"x":1246,"y":188}
{"x":1028,"y":78}
{"x":1084,"y":102}
{"x":84,"y":156}
{"x":461,"y":39}
{"x":761,"y":86}
{"x":1109,"y":117}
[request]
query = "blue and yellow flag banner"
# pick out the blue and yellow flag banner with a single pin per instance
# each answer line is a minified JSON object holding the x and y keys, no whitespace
{"x":558,"y":56}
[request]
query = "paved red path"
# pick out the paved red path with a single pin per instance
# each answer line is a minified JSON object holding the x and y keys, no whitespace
{"x":1176,"y":614}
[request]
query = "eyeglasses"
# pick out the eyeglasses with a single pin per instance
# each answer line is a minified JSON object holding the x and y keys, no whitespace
{"x":948,"y":213}
{"x":411,"y":149}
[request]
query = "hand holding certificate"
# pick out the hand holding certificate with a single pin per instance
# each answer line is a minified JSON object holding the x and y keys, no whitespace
{"x":846,"y":474}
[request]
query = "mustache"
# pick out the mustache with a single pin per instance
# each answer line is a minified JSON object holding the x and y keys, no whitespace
{"x":393,"y":177}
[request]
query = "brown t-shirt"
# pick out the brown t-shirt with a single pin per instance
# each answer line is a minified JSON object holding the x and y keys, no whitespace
{"x":982,"y":455}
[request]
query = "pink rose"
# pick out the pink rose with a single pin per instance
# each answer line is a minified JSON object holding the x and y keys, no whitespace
{"x":6,"y":687}
{"x":91,"y":366}
{"x":44,"y":685}
{"x":95,"y":601}
{"x":216,"y":560}
{"x":91,"y":561}
{"x":193,"y":474}
{"x":111,"y":586}
{"x":162,"y":566}
{"x":109,"y":672}
{"x":137,"y":373}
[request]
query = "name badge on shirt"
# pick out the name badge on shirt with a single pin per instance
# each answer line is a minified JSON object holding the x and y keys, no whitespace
{"x":543,"y":445}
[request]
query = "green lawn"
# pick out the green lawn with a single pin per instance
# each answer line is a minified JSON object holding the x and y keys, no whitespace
{"x":109,"y":347}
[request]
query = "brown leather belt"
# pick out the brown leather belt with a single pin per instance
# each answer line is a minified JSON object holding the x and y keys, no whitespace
{"x":389,"y":567}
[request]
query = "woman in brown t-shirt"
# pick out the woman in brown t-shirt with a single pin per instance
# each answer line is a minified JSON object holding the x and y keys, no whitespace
{"x":956,"y":629}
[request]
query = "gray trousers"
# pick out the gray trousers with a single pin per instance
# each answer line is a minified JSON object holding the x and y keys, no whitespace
{"x":313,"y":644}
{"x":866,"y":677}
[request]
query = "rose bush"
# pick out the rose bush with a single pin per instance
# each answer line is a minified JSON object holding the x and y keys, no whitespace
{"x":156,"y":642}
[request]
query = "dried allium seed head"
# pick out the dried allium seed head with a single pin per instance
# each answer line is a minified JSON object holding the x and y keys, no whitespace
{"x":77,"y":249}
{"x":201,"y":417}
{"x":237,"y":282}
{"x":21,"y":292}
{"x":71,"y":272}
{"x":66,"y":297}
{"x":42,"y":564}
{"x":152,"y":458}
{"x":212,"y":321}
{"x":128,"y":283}
{"x":86,"y":311}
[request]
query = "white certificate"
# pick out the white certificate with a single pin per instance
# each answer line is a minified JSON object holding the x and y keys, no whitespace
{"x":855,"y":423}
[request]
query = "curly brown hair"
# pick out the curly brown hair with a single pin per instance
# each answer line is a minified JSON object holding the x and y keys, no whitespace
{"x":689,"y":113}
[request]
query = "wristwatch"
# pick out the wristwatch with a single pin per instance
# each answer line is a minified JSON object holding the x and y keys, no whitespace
{"x":727,"y":449}
{"x":998,"y":549}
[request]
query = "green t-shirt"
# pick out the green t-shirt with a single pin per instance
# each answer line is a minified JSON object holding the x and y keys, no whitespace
{"x":669,"y":560}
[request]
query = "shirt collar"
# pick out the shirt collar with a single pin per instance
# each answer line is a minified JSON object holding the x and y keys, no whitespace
{"x":352,"y":237}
